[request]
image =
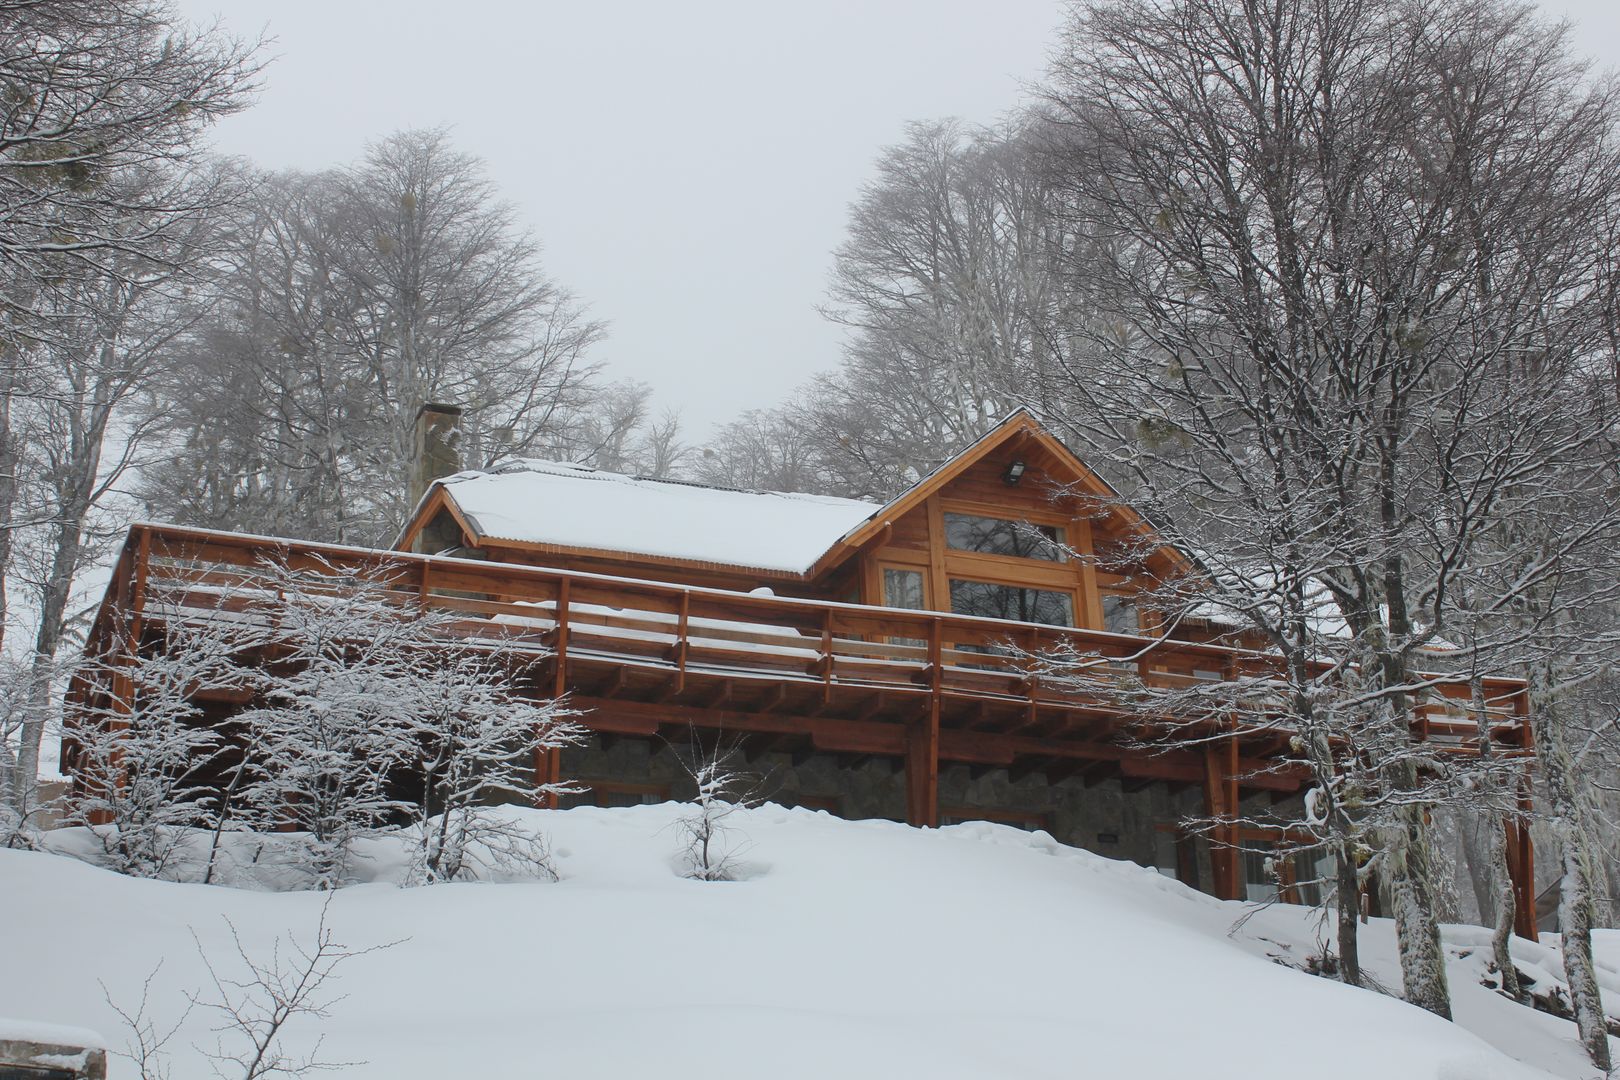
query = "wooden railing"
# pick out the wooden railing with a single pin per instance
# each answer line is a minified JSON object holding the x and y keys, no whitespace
{"x":167,"y":572}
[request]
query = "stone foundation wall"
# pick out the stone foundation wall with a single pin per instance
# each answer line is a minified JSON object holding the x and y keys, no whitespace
{"x":1102,"y":817}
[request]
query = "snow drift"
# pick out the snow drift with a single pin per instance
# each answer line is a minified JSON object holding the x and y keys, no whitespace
{"x":849,"y":949}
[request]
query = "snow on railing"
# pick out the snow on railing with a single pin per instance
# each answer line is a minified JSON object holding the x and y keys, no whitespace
{"x":167,"y":572}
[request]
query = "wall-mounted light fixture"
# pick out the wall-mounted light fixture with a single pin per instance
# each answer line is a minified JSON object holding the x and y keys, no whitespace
{"x":1014,"y":473}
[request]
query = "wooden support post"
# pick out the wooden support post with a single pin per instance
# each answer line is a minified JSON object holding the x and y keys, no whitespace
{"x":548,"y":761}
{"x":826,"y":659}
{"x":129,"y":588}
{"x":681,"y":641}
{"x":1221,"y":805}
{"x":922,"y":745}
{"x":1520,"y":852}
{"x":1521,"y":862}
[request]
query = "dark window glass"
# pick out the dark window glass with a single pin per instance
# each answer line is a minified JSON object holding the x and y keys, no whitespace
{"x":1010,"y":602}
{"x":1119,"y":614}
{"x":903,"y":589}
{"x":1259,"y":876}
{"x":996,"y":536}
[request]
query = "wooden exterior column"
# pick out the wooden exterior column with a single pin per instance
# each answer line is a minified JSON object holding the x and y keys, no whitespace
{"x":1091,"y":613}
{"x":922,"y":745}
{"x":126,"y":656}
{"x":1221,"y":806}
{"x":548,"y":762}
{"x":1521,"y":854}
{"x":1521,"y":860}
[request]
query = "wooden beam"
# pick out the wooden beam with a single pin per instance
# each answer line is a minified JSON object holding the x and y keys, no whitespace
{"x":775,"y":698}
{"x":829,"y":734}
{"x":1221,"y":805}
{"x":922,"y":745}
{"x":1185,"y":768}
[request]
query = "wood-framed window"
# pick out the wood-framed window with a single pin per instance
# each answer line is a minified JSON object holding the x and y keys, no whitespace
{"x":1004,"y":536}
{"x":1002,"y":600}
{"x":904,"y":586}
{"x":1120,"y":615}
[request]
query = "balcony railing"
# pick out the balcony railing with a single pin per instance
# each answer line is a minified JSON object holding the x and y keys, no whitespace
{"x":682,"y":633}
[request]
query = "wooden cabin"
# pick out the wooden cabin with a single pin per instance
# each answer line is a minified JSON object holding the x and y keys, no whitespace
{"x":1014,"y":511}
{"x":871,"y":660}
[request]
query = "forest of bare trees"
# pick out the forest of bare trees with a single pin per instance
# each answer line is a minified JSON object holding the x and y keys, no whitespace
{"x":197,"y":340}
{"x":1328,"y":291}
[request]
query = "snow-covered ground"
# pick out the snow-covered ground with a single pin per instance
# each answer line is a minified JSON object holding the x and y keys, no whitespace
{"x":856,"y":949}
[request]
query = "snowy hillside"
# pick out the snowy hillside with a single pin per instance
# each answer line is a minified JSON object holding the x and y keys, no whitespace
{"x":852,"y":949}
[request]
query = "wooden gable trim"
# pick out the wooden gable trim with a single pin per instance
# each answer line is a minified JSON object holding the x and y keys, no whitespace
{"x":1020,"y":427}
{"x":437,"y":499}
{"x":1012,"y":433}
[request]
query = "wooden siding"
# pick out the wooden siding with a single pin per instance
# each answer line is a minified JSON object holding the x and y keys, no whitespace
{"x":916,"y":540}
{"x":643,"y":657}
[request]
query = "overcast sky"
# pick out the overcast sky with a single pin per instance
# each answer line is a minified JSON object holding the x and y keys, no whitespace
{"x":686,"y":166}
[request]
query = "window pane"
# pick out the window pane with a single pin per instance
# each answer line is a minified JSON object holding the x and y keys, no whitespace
{"x":1008,"y":602}
{"x":996,"y":536}
{"x":1259,"y":878}
{"x":1119,"y":614}
{"x":903,"y":589}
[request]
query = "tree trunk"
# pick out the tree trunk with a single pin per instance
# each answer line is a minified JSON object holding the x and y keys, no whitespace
{"x":58,"y":588}
{"x":1506,"y":906}
{"x":1576,"y":909}
{"x":1575,"y":917}
{"x":1349,"y":899}
{"x":1423,"y":958}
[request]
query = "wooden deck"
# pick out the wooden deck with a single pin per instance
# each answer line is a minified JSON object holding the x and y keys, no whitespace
{"x":929,"y":688}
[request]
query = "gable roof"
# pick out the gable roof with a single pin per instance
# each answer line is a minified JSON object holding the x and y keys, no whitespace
{"x":564,"y":507}
{"x":554,"y":507}
{"x":1018,"y":427}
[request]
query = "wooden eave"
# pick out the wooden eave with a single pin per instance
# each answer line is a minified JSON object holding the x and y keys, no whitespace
{"x":530,"y":546}
{"x":1021,"y":425}
{"x":439,"y":498}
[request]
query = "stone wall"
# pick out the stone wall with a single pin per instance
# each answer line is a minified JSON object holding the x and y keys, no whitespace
{"x":1102,"y":816}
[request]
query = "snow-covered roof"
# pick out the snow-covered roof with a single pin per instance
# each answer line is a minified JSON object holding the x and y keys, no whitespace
{"x":572,"y":506}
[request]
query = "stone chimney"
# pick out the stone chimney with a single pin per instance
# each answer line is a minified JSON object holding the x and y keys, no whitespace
{"x":438,"y":447}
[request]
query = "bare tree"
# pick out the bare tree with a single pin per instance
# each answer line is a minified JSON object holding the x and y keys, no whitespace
{"x":710,"y":848}
{"x":475,"y":743}
{"x":101,"y":185}
{"x":763,"y":451}
{"x":110,"y":333}
{"x":1306,"y":321}
{"x":255,"y":1004}
{"x":943,"y":280}
{"x":141,"y":757}
{"x":98,"y":89}
{"x":254,"y":999}
{"x":352,"y":298}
